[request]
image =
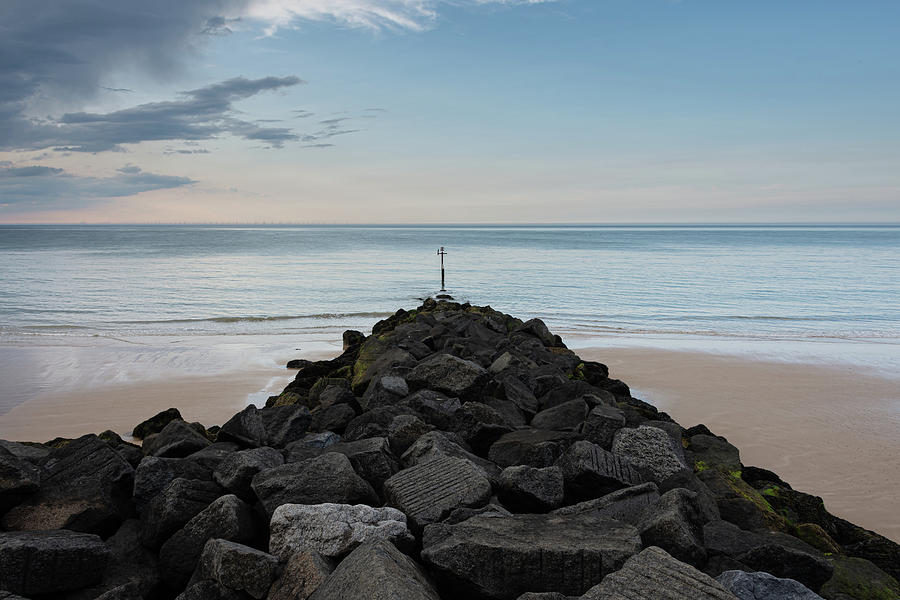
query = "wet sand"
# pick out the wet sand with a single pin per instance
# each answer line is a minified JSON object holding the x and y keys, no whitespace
{"x":832,"y":431}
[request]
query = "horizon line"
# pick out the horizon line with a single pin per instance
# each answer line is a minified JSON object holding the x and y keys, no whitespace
{"x":460,"y":224}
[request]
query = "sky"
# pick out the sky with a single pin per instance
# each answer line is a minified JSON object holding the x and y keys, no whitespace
{"x":449,"y":111}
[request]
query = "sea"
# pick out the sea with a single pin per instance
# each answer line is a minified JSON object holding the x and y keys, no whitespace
{"x":84,"y":306}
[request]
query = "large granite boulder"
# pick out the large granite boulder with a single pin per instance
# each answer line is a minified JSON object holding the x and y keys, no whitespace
{"x":591,"y":472}
{"x":377,"y":571}
{"x":332,"y":530}
{"x":438,"y":444}
{"x":237,"y":471}
{"x":601,"y":425}
{"x":284,"y":424}
{"x":172,"y":508}
{"x":371,"y":459}
{"x":480,"y":426}
{"x":18,"y":480}
{"x":429,"y":491}
{"x":675,"y":524}
{"x":176,"y":440}
{"x":531,"y":490}
{"x":237,"y":568}
{"x":326,"y":478}
{"x":493,"y":556}
{"x":227,"y":518}
{"x":764,"y":586}
{"x":50,"y":562}
{"x":449,"y":375}
{"x":156,"y":423}
{"x":153,"y":474}
{"x":302,"y":575}
{"x":650,"y":449}
{"x":654,"y":574}
{"x":567,"y":416}
{"x":533,"y":447}
{"x":628,"y":505}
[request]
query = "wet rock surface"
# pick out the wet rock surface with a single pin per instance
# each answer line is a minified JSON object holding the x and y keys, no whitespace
{"x":457,"y":452}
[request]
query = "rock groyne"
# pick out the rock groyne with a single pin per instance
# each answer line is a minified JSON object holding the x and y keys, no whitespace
{"x":456,"y":452}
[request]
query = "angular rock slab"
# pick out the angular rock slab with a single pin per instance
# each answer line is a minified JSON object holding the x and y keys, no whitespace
{"x":650,"y":449}
{"x":449,"y":375}
{"x":302,"y":575}
{"x":590,"y":471}
{"x":377,"y":571}
{"x":237,"y":567}
{"x":333,"y":529}
{"x":44,"y":562}
{"x":427,"y":492}
{"x":764,"y":586}
{"x":654,"y":574}
{"x":491,"y":556}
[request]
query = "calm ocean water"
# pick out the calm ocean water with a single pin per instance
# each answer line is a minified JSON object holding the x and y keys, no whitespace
{"x":195,"y":295}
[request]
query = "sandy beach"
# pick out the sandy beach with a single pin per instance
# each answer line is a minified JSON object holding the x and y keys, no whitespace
{"x":832,"y":431}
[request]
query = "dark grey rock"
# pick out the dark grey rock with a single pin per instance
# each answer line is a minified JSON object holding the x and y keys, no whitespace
{"x":675,"y":524}
{"x":377,"y":571}
{"x":18,"y":480}
{"x":808,"y":567}
{"x":650,"y":450}
{"x":373,"y":423}
{"x":480,"y":426}
{"x":126,"y":591}
{"x":323,"y":439}
{"x":654,"y":574}
{"x":176,"y":440}
{"x":334,"y":395}
{"x":371,"y":459}
{"x":686,"y":479}
{"x":567,"y":416}
{"x":764,"y":586}
{"x":333,"y":530}
{"x":512,"y":388}
{"x":227,"y":518}
{"x":45,"y":562}
{"x":449,"y":375}
{"x":237,"y":471}
{"x":334,"y":417}
{"x":490,"y":556}
{"x":601,"y":425}
{"x":713,"y":451}
{"x":384,"y":391}
{"x":171,"y":509}
{"x":33,"y":453}
{"x":303,"y":573}
{"x":245,"y":428}
{"x":209,"y":590}
{"x":434,"y":407}
{"x":210,"y":457}
{"x":404,"y":430}
{"x":132,"y":568}
{"x":284,"y":424}
{"x":458,"y":515}
{"x":627,"y":505}
{"x":531,"y":490}
{"x":156,"y":423}
{"x":533,"y":447}
{"x":591,"y":472}
{"x":428,"y":491}
{"x":237,"y":567}
{"x":153,"y":474}
{"x":326,"y":478}
{"x":439,"y":444}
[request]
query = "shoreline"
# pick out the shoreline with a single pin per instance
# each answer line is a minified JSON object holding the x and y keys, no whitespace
{"x":829,"y":430}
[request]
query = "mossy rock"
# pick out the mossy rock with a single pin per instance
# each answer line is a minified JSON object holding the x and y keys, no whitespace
{"x":859,"y":579}
{"x":345,"y":372}
{"x":368,"y":354}
{"x":737,"y":498}
{"x":818,"y":538}
{"x":289,"y":399}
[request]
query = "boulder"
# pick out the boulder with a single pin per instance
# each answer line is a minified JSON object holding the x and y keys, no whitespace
{"x":303,"y":573}
{"x":351,"y":338}
{"x":686,"y":479}
{"x":591,"y":472}
{"x":50,"y":562}
{"x":764,"y":586}
{"x":132,"y":570}
{"x":530,"y":490}
{"x":371,"y":459}
{"x":85,"y":486}
{"x":533,"y":447}
{"x":377,"y":571}
{"x":512,"y":388}
{"x":808,"y":567}
{"x":428,"y":491}
{"x":376,"y":358}
{"x":227,"y":518}
{"x":449,"y":375}
{"x":480,"y":426}
{"x":859,"y":578}
{"x":18,"y":480}
{"x":153,"y":474}
{"x":627,"y":505}
{"x":384,"y":391}
{"x":649,"y":449}
{"x":156,"y":423}
{"x":433,"y":407}
{"x":335,"y":417}
{"x":706,"y":451}
{"x":210,"y":457}
{"x":237,"y":471}
{"x":245,"y":428}
{"x":654,"y":574}
{"x":492,"y":556}
{"x":171,"y":509}
{"x":237,"y":567}
{"x":739,"y":503}
{"x":438,"y":444}
{"x":601,"y":425}
{"x":326,"y":478}
{"x":567,"y":416}
{"x":332,"y":530}
{"x":404,"y":430}
{"x":373,"y":423}
{"x":176,"y":440}
{"x":675,"y":524}
{"x":284,"y":424}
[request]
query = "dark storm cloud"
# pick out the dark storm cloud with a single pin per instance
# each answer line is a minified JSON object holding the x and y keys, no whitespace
{"x":41,"y":188}
{"x":199,"y":114}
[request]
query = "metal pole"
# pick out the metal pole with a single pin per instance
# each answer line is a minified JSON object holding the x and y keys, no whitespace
{"x":442,"y":253}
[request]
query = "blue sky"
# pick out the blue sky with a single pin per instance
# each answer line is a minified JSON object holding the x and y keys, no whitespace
{"x":405,"y":111}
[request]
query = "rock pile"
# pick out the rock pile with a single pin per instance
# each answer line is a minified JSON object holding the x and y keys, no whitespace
{"x":456,"y":452}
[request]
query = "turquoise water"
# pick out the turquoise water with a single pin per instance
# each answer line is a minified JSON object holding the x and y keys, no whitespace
{"x":192,"y":292}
